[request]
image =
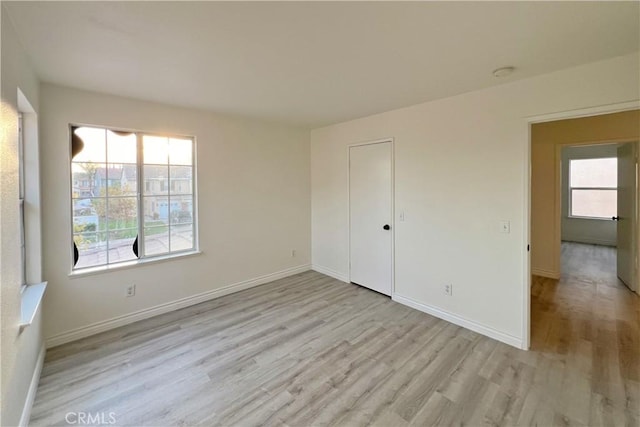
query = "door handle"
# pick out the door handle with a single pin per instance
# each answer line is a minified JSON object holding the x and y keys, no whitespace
{"x":615,"y":218}
{"x":386,"y":227}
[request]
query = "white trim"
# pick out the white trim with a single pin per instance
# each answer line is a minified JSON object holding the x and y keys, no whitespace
{"x":331,"y":273}
{"x":30,"y":301}
{"x":526,"y":249}
{"x":461,"y":321}
{"x":110,"y":268}
{"x":374,"y":141}
{"x":33,"y":387}
{"x":126,"y":319}
{"x":392,"y":222}
{"x":139,"y":202}
{"x":590,"y":218}
{"x":585,"y":112}
{"x":545,"y":273}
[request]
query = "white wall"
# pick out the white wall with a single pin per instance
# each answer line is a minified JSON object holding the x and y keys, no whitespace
{"x":594,"y":231}
{"x":20,"y":351}
{"x":253,"y":198}
{"x":461,"y":166}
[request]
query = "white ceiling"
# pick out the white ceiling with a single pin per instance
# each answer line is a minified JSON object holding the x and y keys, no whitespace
{"x":312,"y":64}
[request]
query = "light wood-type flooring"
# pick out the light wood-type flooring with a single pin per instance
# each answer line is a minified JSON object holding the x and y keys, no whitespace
{"x":309,"y":350}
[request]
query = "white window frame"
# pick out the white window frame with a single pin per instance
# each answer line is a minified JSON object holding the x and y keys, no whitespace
{"x":21,"y":207}
{"x":571,"y":188}
{"x":142,"y":257}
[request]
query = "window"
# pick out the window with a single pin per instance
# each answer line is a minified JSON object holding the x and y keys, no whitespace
{"x":126,"y":212}
{"x":21,"y":191}
{"x":593,"y":188}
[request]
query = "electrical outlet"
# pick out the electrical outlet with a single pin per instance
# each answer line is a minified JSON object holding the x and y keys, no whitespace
{"x":448,"y":290}
{"x":130,"y":291}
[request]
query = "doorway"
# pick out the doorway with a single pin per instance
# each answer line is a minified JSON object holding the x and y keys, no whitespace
{"x":599,"y":213}
{"x":583,"y":208}
{"x":548,"y":140}
{"x":371,"y":216}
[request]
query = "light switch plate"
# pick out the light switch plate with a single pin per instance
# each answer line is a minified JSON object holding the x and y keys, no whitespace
{"x":505,"y":226}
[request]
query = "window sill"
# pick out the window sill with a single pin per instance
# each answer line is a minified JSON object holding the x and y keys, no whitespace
{"x":130,"y":264}
{"x":31,"y":297}
{"x":590,"y":218}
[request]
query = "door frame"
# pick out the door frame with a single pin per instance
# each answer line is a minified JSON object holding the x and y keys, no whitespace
{"x":635,"y":223}
{"x":529,"y":122}
{"x":392,"y":222}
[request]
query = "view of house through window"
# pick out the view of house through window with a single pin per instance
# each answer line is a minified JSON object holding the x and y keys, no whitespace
{"x":593,"y":188}
{"x":132,"y":195}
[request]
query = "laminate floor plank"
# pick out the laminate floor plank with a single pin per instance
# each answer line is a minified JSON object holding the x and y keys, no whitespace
{"x":308,"y":350}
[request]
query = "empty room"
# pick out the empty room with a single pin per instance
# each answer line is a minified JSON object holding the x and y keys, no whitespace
{"x":319,"y":213}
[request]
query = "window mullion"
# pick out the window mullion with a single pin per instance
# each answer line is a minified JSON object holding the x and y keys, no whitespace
{"x":106,"y":190}
{"x":168,"y":199}
{"x":21,"y":163}
{"x":140,"y":163}
{"x":194,"y":202}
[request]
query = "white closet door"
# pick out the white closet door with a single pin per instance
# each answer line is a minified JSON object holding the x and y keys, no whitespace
{"x":370,"y":194}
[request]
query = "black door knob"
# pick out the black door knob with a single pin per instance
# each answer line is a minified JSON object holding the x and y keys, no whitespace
{"x":386,"y":227}
{"x":615,"y":218}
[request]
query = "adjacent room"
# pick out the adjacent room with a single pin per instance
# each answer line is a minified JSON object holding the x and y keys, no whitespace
{"x":319,"y":213}
{"x":584,"y":292}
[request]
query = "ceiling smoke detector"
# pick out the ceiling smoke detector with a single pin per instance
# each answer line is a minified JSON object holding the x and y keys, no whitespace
{"x":503,"y":72}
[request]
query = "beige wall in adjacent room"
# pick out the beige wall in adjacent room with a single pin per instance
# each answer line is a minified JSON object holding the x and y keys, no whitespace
{"x":546,"y":142}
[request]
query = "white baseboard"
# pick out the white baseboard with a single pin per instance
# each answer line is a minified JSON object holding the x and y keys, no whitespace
{"x":330,"y":272}
{"x":33,"y":387}
{"x":545,"y":273}
{"x":460,"y":321}
{"x":126,"y":319}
